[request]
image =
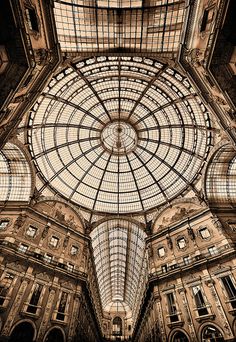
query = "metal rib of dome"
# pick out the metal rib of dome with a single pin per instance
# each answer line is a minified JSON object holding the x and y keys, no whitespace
{"x":119,"y":134}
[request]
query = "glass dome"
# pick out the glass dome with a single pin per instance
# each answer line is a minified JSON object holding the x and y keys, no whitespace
{"x":119,"y":134}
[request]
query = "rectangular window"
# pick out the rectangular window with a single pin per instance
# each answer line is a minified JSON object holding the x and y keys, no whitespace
{"x":31,"y":231}
{"x":4,"y":286}
{"x":212,"y":250}
{"x":23,"y":248}
{"x":70,"y":267}
{"x":62,"y":307}
{"x":32,"y":19}
{"x":187,"y":260}
{"x":74,"y":250}
{"x":161,"y":252}
{"x":230,"y":289}
{"x":3,"y":224}
{"x":48,"y":258}
{"x":199,"y":300}
{"x":54,"y":241}
{"x":181,"y":243}
{"x":164,"y":268}
{"x":172,"y":307}
{"x":32,"y":307}
{"x":204,"y":233}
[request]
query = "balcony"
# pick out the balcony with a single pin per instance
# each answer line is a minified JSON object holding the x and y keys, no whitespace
{"x":197,"y":259}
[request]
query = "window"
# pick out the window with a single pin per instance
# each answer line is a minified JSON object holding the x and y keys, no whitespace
{"x":164,"y":268}
{"x":23,"y":248}
{"x":172,"y":307}
{"x":32,"y":19}
{"x":181,"y":243}
{"x":204,"y":233}
{"x":187,"y":260}
{"x":230,"y":289}
{"x":62,"y":307}
{"x":3,"y":224}
{"x":54,"y":241}
{"x":31,"y":231}
{"x":199,"y":300}
{"x":212,"y":250}
{"x":48,"y":258}
{"x":4,"y":286}
{"x":32,"y":307}
{"x":161,"y":252}
{"x":70,"y":267}
{"x":74,"y":250}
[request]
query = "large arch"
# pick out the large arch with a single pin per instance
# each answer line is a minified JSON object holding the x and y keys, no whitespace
{"x":55,"y":334}
{"x":220,"y":178}
{"x":178,"y":335}
{"x":23,"y":331}
{"x":16,"y":177}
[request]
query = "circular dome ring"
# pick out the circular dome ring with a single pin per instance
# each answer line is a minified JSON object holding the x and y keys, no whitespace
{"x":120,"y":135}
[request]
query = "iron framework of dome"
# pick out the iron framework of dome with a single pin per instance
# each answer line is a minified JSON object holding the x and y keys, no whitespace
{"x":119,"y":134}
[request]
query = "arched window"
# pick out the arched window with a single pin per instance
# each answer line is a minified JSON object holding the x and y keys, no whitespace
{"x":54,"y":335}
{"x":179,"y":336}
{"x":117,"y":326}
{"x":15,"y":177}
{"x":22,"y":332}
{"x":211,"y":334}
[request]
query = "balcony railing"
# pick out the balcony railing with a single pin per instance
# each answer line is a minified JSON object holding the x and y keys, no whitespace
{"x":202,"y":257}
{"x":30,"y":254}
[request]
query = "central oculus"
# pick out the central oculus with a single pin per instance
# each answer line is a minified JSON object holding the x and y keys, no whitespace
{"x":119,"y":137}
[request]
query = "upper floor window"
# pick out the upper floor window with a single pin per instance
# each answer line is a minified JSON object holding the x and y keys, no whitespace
{"x":172,"y":307}
{"x":199,"y":300}
{"x":187,"y":260}
{"x":3,"y":224}
{"x":70,"y":267}
{"x":204,"y":233}
{"x":54,"y":241}
{"x":48,"y":258}
{"x":74,"y":250}
{"x":31,"y":231}
{"x":181,"y":242}
{"x":212,"y":250}
{"x":62,"y":306}
{"x":23,"y":248}
{"x":164,"y":268}
{"x":161,"y":252}
{"x":32,"y":19}
{"x":230,"y":289}
{"x":32,"y":307}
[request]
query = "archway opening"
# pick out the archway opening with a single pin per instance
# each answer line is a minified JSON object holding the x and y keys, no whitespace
{"x":22,"y":332}
{"x":54,"y":335}
{"x":212,"y":334}
{"x":117,"y":326}
{"x":179,"y":336}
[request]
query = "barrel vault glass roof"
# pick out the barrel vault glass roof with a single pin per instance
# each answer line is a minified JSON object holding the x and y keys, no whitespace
{"x":121,"y":265}
{"x":119,"y":134}
{"x":119,"y":25}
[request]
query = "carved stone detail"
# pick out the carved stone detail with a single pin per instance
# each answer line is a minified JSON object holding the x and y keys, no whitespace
{"x":7,"y":327}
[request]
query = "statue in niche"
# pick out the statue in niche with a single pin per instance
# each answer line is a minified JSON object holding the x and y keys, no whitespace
{"x":169,"y":241}
{"x":46,"y":229}
{"x":191,"y":233}
{"x":19,"y":221}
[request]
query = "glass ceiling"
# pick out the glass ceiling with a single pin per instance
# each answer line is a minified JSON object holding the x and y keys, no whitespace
{"x":119,"y":134}
{"x":120,"y":261}
{"x":119,"y":25}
